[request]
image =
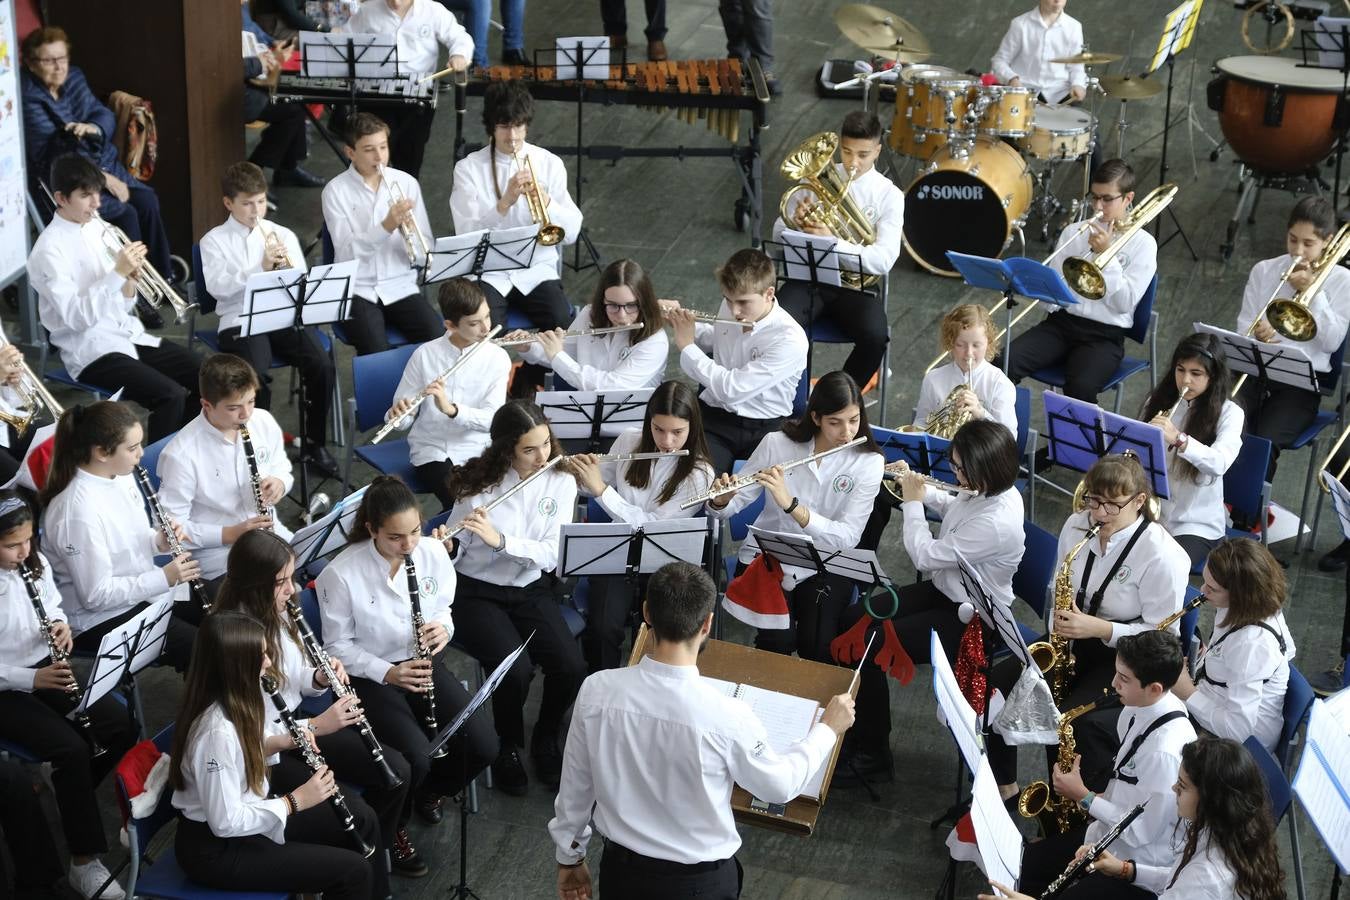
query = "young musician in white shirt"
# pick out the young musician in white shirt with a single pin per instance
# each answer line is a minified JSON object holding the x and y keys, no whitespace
{"x":368,"y":609}
{"x":207,"y":473}
{"x":13,"y":446}
{"x":668,"y":825}
{"x":1241,"y":677}
{"x":368,"y":225}
{"x":1203,"y":435}
{"x":1032,"y":40}
{"x":1088,"y":338}
{"x":505,"y":558}
{"x":968,"y":334}
{"x":492,"y":189}
{"x":749,"y":374}
{"x":606,"y":362}
{"x":451,"y":426}
{"x":419,"y":28}
{"x":637,"y":492}
{"x":859,"y":316}
{"x":243,"y":245}
{"x":100,"y":543}
{"x":232,"y":834}
{"x":37,"y":692}
{"x":86,"y":300}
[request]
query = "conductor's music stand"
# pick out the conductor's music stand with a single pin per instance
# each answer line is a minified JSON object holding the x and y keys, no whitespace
{"x":1011,"y":277}
{"x":122,"y":652}
{"x":474,"y":253}
{"x":588,"y":416}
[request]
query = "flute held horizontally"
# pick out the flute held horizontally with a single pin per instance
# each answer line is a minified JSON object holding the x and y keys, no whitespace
{"x":510,"y":492}
{"x":931,"y":482}
{"x":585,"y":332}
{"x":746,"y":480}
{"x":393,"y":424}
{"x":631,"y":457}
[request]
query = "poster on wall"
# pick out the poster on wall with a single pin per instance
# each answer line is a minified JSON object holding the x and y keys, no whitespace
{"x":13,"y":179}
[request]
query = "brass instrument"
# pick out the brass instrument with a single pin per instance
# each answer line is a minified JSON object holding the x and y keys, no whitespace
{"x":272,"y":241}
{"x":57,"y":654}
{"x":149,"y":283}
{"x":1339,"y":475}
{"x":1194,"y":604}
{"x":389,"y":427}
{"x":1085,"y":275}
{"x":585,"y":332}
{"x":1052,"y":656}
{"x":947,"y":419}
{"x":1038,"y":800}
{"x":549,"y":233}
{"x":508,"y":493}
{"x":422,"y":651}
{"x":746,"y":480}
{"x":254,"y":476}
{"x":165,"y":525}
{"x":811,"y":164}
{"x":33,"y":397}
{"x":890,"y":480}
{"x":413,"y":240}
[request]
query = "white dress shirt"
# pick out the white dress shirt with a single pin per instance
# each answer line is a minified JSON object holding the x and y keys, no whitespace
{"x":635,"y":505}
{"x":297,"y":682}
{"x":366,"y":612}
{"x":1208,"y":876}
{"x":1127,"y":275}
{"x":984,"y":531}
{"x":1149,"y":586}
{"x":1330,"y":308}
{"x":884,"y":206}
{"x":1196,"y":506}
{"x":205,"y":485}
{"x":478,"y":390}
{"x":23,"y":644}
{"x":355,"y":216}
{"x":997,"y":394}
{"x":216,"y":789}
{"x":606,"y":362}
{"x":80,"y":299}
{"x":1155,"y":838}
{"x":837,"y":490}
{"x":231,"y":252}
{"x":102,"y":550}
{"x":652,"y":755}
{"x":530,"y":521}
{"x":1241,"y":679}
{"x":1029,"y":45}
{"x":417,"y":34}
{"x":753,"y":374}
{"x":473,"y":204}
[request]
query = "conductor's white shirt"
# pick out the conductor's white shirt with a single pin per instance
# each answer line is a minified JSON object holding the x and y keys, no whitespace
{"x":80,"y":298}
{"x":418,"y":33}
{"x":478,"y":390}
{"x":1241,"y":680}
{"x":473,"y":204}
{"x":753,"y":373}
{"x":366,"y":612}
{"x":1208,"y":876}
{"x":1127,"y":275}
{"x":22,"y":643}
{"x":651,"y":757}
{"x":997,"y":394}
{"x":205,"y":484}
{"x":883,"y":204}
{"x":606,"y":362}
{"x":530,"y":522}
{"x":1029,"y":45}
{"x":984,"y":531}
{"x":636,"y":505}
{"x":216,"y":790}
{"x":231,"y":252}
{"x":355,"y":216}
{"x":1196,"y":506}
{"x":1330,"y":307}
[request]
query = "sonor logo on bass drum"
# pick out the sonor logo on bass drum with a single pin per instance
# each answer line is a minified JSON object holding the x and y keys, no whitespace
{"x":950,"y":192}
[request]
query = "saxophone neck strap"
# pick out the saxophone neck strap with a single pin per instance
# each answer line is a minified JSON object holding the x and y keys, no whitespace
{"x":1095,"y":603}
{"x":1139,"y":742}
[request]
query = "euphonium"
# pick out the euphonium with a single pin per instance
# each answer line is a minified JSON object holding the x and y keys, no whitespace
{"x":812,"y":166}
{"x":549,"y":233}
{"x":1052,"y":656}
{"x":1085,"y":275}
{"x":945,"y":421}
{"x":1038,"y":800}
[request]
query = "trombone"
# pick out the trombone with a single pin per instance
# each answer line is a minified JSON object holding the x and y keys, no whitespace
{"x":413,"y":239}
{"x":549,"y":233}
{"x":746,"y":480}
{"x":34,"y":395}
{"x":148,"y":282}
{"x":1085,"y":275}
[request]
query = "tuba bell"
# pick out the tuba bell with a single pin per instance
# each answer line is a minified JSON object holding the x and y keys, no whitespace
{"x":811,"y":165}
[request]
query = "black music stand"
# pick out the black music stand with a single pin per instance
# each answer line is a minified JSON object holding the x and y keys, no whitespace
{"x":127,"y":649}
{"x":1176,"y":37}
{"x":349,"y":57}
{"x":474,"y":253}
{"x":1281,"y":363}
{"x":588,"y":416}
{"x":1010,"y":277}
{"x":1331,"y":46}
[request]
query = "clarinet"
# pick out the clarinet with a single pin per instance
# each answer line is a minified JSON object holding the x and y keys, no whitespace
{"x":255,"y":479}
{"x":162,"y":522}
{"x":58,"y":655}
{"x":415,"y":600}
{"x":315,"y":761}
{"x":1079,"y":867}
{"x":319,"y":656}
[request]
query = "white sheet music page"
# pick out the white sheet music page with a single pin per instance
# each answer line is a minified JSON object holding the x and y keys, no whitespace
{"x":1322,"y":777}
{"x":787,"y":719}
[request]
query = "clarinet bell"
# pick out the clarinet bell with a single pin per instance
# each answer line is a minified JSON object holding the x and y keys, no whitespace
{"x":87,"y":726}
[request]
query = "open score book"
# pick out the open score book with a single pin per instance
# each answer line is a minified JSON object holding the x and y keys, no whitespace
{"x":786,"y":717}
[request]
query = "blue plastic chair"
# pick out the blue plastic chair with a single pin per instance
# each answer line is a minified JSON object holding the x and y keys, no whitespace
{"x":824,"y":331}
{"x":150,"y":457}
{"x":1189,"y":622}
{"x":1298,"y":700}
{"x":1245,"y":487}
{"x":1036,"y":571}
{"x":803,"y":394}
{"x":1281,"y":802}
{"x":375,"y":377}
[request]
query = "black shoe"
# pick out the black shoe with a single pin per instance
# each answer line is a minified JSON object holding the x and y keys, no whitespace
{"x":320,"y":460}
{"x":297,"y":177}
{"x":404,"y":860}
{"x":148,"y":315}
{"x":428,"y":806}
{"x":1334,"y":561}
{"x":508,"y":772}
{"x":1324,"y":684}
{"x":514,"y":57}
{"x":872,"y":767}
{"x":547,"y":758}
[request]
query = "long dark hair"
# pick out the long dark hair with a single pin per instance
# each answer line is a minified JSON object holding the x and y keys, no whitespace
{"x":1253,"y":578}
{"x":1235,"y":812}
{"x":988,"y":455}
{"x":833,"y":392}
{"x":627,"y":273}
{"x":387,"y":496}
{"x":80,"y":431}
{"x":1202,"y":419}
{"x":16,"y":510}
{"x":671,"y":398}
{"x":511,"y":422}
{"x":255,"y":562}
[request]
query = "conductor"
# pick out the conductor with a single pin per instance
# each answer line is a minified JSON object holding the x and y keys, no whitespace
{"x":653,"y":753}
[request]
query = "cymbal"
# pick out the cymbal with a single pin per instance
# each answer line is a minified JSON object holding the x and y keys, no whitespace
{"x":1128,"y":87}
{"x":1088,"y":58}
{"x":881,"y":31}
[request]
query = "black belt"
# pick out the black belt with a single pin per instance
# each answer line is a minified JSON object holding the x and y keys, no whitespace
{"x":622,"y":855}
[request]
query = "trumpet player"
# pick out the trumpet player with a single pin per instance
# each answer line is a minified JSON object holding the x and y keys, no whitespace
{"x":241,"y":246}
{"x":496,"y":188}
{"x":375,"y":215}
{"x":13,"y":403}
{"x":968,"y":334}
{"x":85,"y":299}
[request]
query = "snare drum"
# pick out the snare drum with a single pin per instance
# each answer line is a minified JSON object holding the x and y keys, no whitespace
{"x":1007,"y":112}
{"x":1059,"y":132}
{"x":903,"y":138}
{"x":940,"y":104}
{"x":1276,"y":116}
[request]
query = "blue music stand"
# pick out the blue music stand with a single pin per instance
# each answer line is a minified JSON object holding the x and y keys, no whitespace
{"x":1079,"y":433}
{"x":922,"y":452}
{"x":1018,"y":275}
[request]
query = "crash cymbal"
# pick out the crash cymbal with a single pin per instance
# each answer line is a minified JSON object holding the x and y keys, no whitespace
{"x":1088,"y":58}
{"x":881,"y":31}
{"x":1128,"y":87}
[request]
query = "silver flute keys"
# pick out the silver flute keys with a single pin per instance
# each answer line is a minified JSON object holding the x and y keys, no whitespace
{"x":389,"y":427}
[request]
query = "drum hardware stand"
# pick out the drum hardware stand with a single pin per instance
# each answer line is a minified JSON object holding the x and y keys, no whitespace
{"x":1250,"y":185}
{"x":1162,"y":165}
{"x":1193,"y":124}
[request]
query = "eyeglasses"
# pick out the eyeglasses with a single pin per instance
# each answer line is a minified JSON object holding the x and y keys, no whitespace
{"x":621,"y":307}
{"x":1110,"y":507}
{"x":1103,"y":198}
{"x":51,"y":60}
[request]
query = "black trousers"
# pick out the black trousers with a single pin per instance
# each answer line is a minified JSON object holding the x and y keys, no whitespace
{"x":1089,"y":351}
{"x":1197,"y":548}
{"x":411,"y":315}
{"x":1278,"y":413}
{"x":38,"y":722}
{"x":817,"y":610}
{"x":23,"y":826}
{"x":282,"y":144}
{"x":435,"y":474}
{"x":858,"y":315}
{"x":625,"y":874}
{"x":491,"y":621}
{"x":177,"y":645}
{"x":317,"y":857}
{"x":399,"y":719}
{"x":615,"y":16}
{"x":409,"y":130}
{"x":300,"y":349}
{"x":1045,"y":860}
{"x":732,"y":437}
{"x":162,"y":379}
{"x":546,"y":306}
{"x":140,"y":218}
{"x":613,"y":601}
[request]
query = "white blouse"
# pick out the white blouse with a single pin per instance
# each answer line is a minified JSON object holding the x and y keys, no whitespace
{"x":634,"y":505}
{"x":1241,"y":679}
{"x":984,"y":531}
{"x":606,"y":362}
{"x":1196,"y":507}
{"x":22,"y":643}
{"x":997,"y":394}
{"x":216,"y":790}
{"x":530,"y":521}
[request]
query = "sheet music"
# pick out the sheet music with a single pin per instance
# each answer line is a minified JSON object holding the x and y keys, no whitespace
{"x":1320,"y":782}
{"x":725,"y":688}
{"x":996,"y":835}
{"x":590,"y":54}
{"x":787,"y":719}
{"x":960,"y":716}
{"x":1340,"y":500}
{"x":811,"y":257}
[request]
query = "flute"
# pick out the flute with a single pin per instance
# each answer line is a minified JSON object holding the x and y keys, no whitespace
{"x":165,"y":526}
{"x":585,"y":332}
{"x":747,"y":480}
{"x":708,"y":318}
{"x":889,"y":475}
{"x":510,"y":492}
{"x":393,"y":424}
{"x":34,"y":589}
{"x":630,"y":457}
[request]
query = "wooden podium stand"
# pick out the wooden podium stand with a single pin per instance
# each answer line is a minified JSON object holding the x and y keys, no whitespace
{"x":773,"y":672}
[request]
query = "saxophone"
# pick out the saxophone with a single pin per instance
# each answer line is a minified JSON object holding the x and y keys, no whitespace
{"x":1052,"y":656}
{"x":1038,"y":800}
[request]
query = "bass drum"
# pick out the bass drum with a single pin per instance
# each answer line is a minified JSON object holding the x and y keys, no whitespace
{"x":1276,"y":116}
{"x":967,"y":202}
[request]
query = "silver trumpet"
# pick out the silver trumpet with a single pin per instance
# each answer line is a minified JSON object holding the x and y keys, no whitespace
{"x":746,"y":480}
{"x":413,"y":240}
{"x":34,"y":395}
{"x":393,"y":424}
{"x":149,"y":283}
{"x":584,"y":332}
